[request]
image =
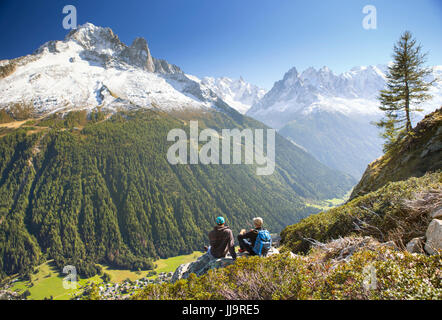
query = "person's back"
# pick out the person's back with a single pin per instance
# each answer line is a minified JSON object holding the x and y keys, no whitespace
{"x":257,"y":241}
{"x":221,"y":240}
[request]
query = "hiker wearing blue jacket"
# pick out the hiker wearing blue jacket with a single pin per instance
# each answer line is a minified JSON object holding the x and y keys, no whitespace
{"x":257,"y":241}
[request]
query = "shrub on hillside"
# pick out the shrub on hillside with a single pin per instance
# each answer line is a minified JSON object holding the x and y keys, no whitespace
{"x":22,"y":110}
{"x":398,"y":275}
{"x":397,"y":212}
{"x":5,"y":117}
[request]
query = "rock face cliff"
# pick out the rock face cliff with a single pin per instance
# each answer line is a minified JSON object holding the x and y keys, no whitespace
{"x":415,"y":155}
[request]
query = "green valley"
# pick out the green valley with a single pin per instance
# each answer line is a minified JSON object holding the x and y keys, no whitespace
{"x":46,"y":280}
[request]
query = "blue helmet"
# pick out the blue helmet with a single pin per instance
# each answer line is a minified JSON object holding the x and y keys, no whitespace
{"x":220,"y":220}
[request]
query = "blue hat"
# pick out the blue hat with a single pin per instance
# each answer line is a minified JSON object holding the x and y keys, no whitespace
{"x":220,"y":220}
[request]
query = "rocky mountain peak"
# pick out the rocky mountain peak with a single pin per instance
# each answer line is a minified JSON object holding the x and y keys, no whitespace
{"x":138,"y":54}
{"x":103,"y":42}
{"x":140,"y":44}
{"x":291,"y":74}
{"x":98,"y":39}
{"x":325,"y":69}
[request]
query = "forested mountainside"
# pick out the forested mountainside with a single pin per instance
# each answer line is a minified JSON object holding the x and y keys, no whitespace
{"x":413,"y":156}
{"x":84,"y":189}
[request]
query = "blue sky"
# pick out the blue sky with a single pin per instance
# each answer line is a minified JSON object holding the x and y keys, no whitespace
{"x":257,"y":39}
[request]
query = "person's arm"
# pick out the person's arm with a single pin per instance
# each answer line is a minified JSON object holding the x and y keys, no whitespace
{"x":232,"y":245}
{"x":249,"y":235}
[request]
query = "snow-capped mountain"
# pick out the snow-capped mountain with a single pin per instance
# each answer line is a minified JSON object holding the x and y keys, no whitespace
{"x":312,"y":89}
{"x":239,"y":94}
{"x":91,"y":67}
{"x":330,"y":115}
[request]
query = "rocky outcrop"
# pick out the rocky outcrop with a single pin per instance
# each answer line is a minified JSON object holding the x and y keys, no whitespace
{"x":205,"y":263}
{"x":433,"y":244}
{"x":437,"y":214}
{"x":162,"y":66}
{"x":6,"y":68}
{"x":416,"y":245}
{"x":342,"y":249}
{"x":138,"y":54}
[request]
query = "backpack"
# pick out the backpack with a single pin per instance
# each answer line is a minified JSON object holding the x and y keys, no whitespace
{"x":263,"y":242}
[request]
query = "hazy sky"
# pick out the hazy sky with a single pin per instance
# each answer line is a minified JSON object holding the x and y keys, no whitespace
{"x":257,"y":39}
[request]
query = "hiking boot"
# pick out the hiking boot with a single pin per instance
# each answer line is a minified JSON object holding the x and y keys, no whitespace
{"x":242,"y":250}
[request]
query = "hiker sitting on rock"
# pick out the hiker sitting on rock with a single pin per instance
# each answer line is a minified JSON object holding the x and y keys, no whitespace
{"x":221,"y":240}
{"x":257,"y":241}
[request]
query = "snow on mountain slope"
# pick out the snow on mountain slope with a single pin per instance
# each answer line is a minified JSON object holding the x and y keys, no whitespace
{"x":353,"y":93}
{"x":239,"y":94}
{"x":91,"y":68}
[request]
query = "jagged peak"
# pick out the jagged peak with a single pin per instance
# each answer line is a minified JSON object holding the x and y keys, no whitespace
{"x":89,"y":29}
{"x":325,"y":69}
{"x":293,"y":72}
{"x":94,"y":38}
{"x":102,"y":40}
{"x":140,"y":43}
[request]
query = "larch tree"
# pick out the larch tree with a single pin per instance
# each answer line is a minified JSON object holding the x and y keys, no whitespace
{"x":405,"y":90}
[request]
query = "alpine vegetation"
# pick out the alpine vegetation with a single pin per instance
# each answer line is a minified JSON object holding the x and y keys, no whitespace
{"x":209,"y":153}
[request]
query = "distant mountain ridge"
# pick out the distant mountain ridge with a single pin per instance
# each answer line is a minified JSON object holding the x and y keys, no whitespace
{"x":239,"y":94}
{"x":314,"y":90}
{"x":353,"y":93}
{"x":330,"y":115}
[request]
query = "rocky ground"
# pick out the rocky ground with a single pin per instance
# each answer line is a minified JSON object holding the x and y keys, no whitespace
{"x":206,"y":262}
{"x":431,"y":243}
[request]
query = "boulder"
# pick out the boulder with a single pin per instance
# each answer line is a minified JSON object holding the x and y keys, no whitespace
{"x":416,"y":245}
{"x":200,"y":266}
{"x":434,"y":237}
{"x":389,"y":244}
{"x":437,"y":214}
{"x":206,"y":262}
